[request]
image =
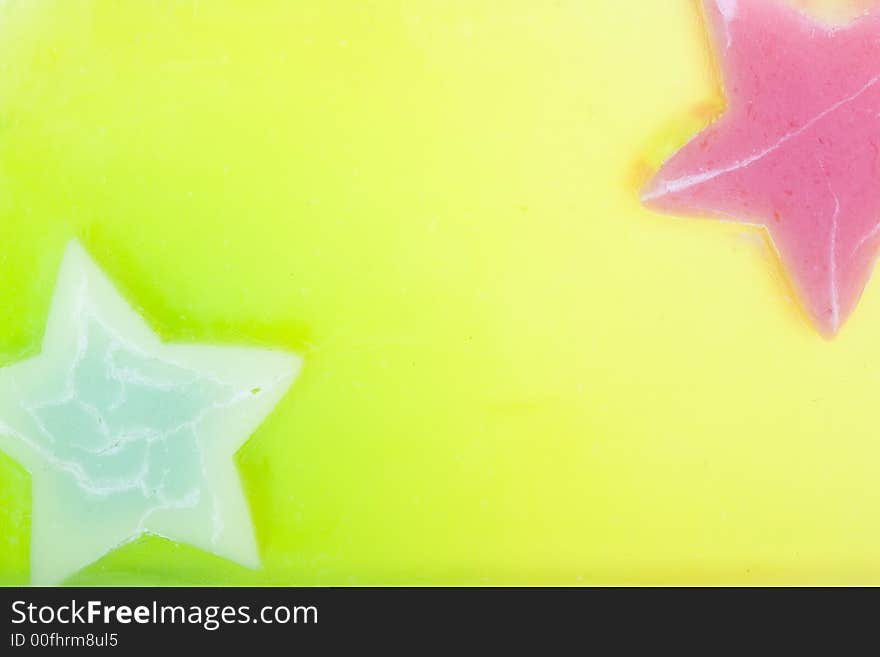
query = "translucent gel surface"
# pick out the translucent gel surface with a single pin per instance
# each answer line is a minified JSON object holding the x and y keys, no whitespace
{"x":124,"y":435}
{"x":515,"y":373}
{"x":797,"y":149}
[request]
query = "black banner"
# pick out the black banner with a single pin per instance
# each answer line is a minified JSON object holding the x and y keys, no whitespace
{"x":132,"y":620}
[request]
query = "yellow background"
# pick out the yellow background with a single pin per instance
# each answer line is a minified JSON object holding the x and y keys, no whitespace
{"x":514,"y":373}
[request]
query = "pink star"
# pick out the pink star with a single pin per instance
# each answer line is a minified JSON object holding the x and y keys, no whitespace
{"x":798,"y":150}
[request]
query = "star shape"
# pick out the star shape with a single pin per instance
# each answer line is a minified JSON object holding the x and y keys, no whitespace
{"x":125,"y":435}
{"x":797,"y":150}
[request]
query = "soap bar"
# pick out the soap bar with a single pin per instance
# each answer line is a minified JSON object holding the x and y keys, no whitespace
{"x":796,"y":151}
{"x":124,"y":434}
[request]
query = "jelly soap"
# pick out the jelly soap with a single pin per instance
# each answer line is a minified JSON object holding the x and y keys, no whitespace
{"x":124,"y":434}
{"x":797,"y":151}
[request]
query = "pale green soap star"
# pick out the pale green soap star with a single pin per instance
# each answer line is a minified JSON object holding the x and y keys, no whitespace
{"x":124,"y":434}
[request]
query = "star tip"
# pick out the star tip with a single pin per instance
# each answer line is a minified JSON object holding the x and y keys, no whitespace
{"x":828,"y":330}
{"x":77,"y":266}
{"x":293,"y":366}
{"x":287,"y":361}
{"x":650,"y":194}
{"x":74,"y":244}
{"x":74,"y":251}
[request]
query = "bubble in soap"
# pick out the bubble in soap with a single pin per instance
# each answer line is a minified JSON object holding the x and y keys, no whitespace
{"x":124,"y":434}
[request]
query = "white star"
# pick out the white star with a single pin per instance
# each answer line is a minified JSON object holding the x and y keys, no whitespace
{"x":124,"y":434}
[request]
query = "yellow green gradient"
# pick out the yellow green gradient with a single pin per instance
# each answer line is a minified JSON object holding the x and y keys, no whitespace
{"x":514,"y":374}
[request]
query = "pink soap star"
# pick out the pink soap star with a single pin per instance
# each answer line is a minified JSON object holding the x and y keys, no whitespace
{"x":798,"y":150}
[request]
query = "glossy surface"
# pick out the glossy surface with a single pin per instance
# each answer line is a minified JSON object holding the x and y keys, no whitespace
{"x":514,"y":372}
{"x":124,"y":435}
{"x":797,"y":151}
